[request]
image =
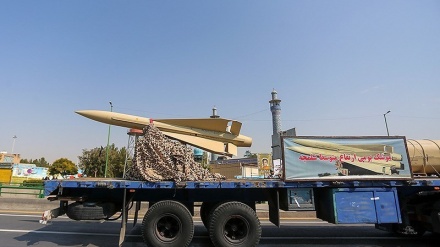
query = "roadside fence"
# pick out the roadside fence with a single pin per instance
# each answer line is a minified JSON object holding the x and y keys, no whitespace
{"x":34,"y":189}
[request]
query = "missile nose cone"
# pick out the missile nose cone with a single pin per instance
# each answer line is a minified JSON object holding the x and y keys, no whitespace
{"x":80,"y":112}
{"x":99,"y":116}
{"x":87,"y":113}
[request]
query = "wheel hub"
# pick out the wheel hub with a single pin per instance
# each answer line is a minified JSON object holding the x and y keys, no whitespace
{"x":168,"y":227}
{"x":236,"y":229}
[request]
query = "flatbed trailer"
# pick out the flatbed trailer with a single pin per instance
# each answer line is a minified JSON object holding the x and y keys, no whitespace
{"x":405,"y":206}
{"x":385,"y":181}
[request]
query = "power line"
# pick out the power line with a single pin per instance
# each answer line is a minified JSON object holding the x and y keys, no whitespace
{"x":436,"y":118}
{"x":336,"y":119}
{"x":313,"y":119}
{"x":242,"y":117}
{"x":253,"y":113}
{"x":151,"y":112}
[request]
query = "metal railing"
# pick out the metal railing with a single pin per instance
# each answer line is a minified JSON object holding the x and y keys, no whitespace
{"x":36,"y":189}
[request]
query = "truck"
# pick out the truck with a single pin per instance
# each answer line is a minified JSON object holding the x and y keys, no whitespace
{"x":390,"y":182}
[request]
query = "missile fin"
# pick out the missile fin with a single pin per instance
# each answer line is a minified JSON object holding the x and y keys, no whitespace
{"x":206,"y":144}
{"x":231,"y":149}
{"x":235,"y":127}
{"x":214,"y":124}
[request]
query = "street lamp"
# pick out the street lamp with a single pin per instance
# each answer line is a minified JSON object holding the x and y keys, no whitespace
{"x":386,"y":124}
{"x":108,"y":142}
{"x":13,"y":143}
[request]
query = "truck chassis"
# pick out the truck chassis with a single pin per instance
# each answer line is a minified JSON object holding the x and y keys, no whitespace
{"x":406,"y":207}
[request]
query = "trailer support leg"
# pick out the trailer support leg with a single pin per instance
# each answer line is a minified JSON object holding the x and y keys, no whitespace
{"x":124,"y":220}
{"x":136,"y":212}
{"x":54,"y":213}
{"x":273,"y":199}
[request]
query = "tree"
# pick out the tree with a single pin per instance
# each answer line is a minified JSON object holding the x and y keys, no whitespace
{"x":41,"y":162}
{"x":93,"y":161}
{"x":116,"y":161}
{"x":63,"y":166}
{"x":38,"y":162}
{"x":248,"y":154}
{"x":25,"y":161}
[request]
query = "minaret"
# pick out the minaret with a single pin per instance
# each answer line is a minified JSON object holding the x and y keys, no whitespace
{"x":214,"y":156}
{"x":214,"y":113}
{"x":275,"y":108}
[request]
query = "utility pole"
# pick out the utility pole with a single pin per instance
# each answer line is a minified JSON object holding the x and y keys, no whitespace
{"x":13,"y":143}
{"x":108,"y":142}
{"x":386,"y":124}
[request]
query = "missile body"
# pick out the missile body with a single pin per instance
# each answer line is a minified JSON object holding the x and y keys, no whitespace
{"x":216,"y":135}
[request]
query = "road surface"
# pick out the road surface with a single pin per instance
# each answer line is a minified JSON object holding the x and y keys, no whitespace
{"x":18,"y":229}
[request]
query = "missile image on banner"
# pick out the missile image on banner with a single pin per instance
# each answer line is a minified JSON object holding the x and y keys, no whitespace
{"x":351,"y":148}
{"x":351,"y":159}
{"x":216,"y":135}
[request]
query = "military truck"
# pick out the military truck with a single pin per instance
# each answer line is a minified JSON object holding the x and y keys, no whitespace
{"x":391,"y":182}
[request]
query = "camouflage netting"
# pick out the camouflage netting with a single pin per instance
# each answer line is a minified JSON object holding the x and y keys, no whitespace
{"x":158,"y":158}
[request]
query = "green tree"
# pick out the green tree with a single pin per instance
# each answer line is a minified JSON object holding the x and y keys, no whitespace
{"x":116,"y":161}
{"x":25,"y":161}
{"x":63,"y":166}
{"x":93,"y":161}
{"x":248,"y":154}
{"x":41,"y":162}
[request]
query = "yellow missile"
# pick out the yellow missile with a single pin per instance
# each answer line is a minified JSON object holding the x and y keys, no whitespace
{"x":216,"y":135}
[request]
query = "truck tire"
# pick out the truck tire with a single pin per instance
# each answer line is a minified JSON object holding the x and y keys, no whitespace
{"x":167,"y":224}
{"x":234,"y":224}
{"x":90,"y":210}
{"x":205,"y":211}
{"x":435,"y":217}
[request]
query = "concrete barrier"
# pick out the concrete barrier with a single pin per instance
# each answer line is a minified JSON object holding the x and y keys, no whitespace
{"x":25,"y":204}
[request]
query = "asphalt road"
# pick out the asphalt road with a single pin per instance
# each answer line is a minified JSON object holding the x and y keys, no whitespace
{"x":18,"y":229}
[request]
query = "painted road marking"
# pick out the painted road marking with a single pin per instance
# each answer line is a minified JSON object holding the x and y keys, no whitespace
{"x":198,"y":237}
{"x":262,"y":220}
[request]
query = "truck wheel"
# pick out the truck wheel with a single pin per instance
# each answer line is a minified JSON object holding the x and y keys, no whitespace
{"x":435,"y":217}
{"x":90,"y":210}
{"x":234,"y":224}
{"x":167,"y":224}
{"x":205,"y":210}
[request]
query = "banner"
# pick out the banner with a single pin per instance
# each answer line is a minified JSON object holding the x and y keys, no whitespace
{"x":345,"y":158}
{"x":29,"y":171}
{"x":264,"y":164}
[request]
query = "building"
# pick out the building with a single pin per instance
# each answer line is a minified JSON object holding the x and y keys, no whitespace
{"x":258,"y":167}
{"x":6,"y":163}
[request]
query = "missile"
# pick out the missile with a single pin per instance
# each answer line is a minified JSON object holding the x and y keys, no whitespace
{"x":216,"y":135}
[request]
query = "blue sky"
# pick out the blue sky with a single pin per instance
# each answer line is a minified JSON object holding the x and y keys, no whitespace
{"x":337,"y":66}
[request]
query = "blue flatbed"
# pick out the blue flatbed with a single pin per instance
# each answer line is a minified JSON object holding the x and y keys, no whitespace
{"x":52,"y":185}
{"x":408,"y":206}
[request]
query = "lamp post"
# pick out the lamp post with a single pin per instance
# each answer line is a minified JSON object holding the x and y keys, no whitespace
{"x":108,"y":142}
{"x":386,"y":124}
{"x":13,"y":143}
